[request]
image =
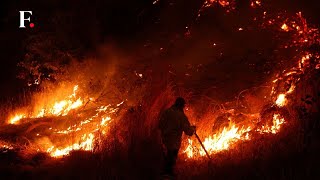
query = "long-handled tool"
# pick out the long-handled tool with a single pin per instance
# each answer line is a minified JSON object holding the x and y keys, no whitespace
{"x":202,"y":145}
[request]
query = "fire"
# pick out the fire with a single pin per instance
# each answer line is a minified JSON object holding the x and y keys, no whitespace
{"x":275,"y":128}
{"x":229,"y":4}
{"x":5,"y":145}
{"x":255,"y":3}
{"x":229,"y":136}
{"x":281,"y":101}
{"x":16,"y":118}
{"x":82,"y":130}
{"x":104,"y":121}
{"x":285,"y":27}
{"x":86,"y":144}
{"x":225,"y":139}
{"x":62,"y":107}
{"x":86,"y":141}
{"x":223,"y":3}
{"x":99,"y":118}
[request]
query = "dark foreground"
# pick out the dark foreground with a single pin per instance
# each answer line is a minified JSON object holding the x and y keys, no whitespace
{"x":281,"y":157}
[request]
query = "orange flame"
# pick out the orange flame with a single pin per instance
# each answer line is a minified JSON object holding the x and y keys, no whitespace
{"x":285,"y":27}
{"x":86,"y":144}
{"x":16,"y":118}
{"x":281,"y":101}
{"x":62,"y":107}
{"x":277,"y":121}
{"x":220,"y":141}
{"x":229,"y":136}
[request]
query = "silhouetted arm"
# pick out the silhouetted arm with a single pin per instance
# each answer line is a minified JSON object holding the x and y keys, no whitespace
{"x":187,"y":128}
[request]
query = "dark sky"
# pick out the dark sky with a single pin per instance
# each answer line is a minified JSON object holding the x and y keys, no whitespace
{"x":85,"y":24}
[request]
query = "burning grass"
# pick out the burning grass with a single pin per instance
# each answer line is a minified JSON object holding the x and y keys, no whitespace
{"x":114,"y":119}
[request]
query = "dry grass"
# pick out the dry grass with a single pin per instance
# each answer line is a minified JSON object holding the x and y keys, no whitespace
{"x":124,"y":157}
{"x":132,"y":149}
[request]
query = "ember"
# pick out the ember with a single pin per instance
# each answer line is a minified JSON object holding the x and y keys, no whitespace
{"x":281,"y":101}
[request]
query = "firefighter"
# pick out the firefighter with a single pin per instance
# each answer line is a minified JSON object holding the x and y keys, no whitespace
{"x":172,"y":123}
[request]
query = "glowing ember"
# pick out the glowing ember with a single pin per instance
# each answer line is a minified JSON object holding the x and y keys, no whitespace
{"x":275,"y":128}
{"x":285,"y":27}
{"x":281,"y":101}
{"x":5,"y":145}
{"x":229,"y":4}
{"x":229,"y":136}
{"x":255,"y":3}
{"x":210,"y":2}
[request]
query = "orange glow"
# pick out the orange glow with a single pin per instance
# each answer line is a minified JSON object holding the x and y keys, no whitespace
{"x":82,"y":131}
{"x":104,"y":121}
{"x":86,"y":144}
{"x":16,"y":118}
{"x":5,"y":145}
{"x":281,"y":101}
{"x":81,"y":123}
{"x":285,"y":27}
{"x":229,"y":136}
{"x":224,"y":3}
{"x":275,"y":128}
{"x":255,"y":3}
{"x":224,"y":139}
{"x":62,"y":107}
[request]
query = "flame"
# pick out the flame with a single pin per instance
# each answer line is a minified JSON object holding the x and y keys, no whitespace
{"x":223,"y":3}
{"x":255,"y":3}
{"x":82,"y":131}
{"x":104,"y":121}
{"x":229,"y":136}
{"x":275,"y":128}
{"x":224,"y":139}
{"x":16,"y":118}
{"x":62,"y":107}
{"x":281,"y":101}
{"x":229,"y":4}
{"x":86,"y":144}
{"x":285,"y":27}
{"x":5,"y":145}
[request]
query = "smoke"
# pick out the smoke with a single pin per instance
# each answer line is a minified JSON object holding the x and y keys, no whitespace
{"x":115,"y":52}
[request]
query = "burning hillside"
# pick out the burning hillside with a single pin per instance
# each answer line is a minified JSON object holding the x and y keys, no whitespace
{"x":50,"y":122}
{"x":87,"y":103}
{"x":281,"y":88}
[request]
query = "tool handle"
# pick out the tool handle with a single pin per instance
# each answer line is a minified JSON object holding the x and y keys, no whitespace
{"x":202,"y":145}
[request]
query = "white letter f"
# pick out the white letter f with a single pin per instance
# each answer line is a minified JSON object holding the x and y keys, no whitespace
{"x":22,"y":19}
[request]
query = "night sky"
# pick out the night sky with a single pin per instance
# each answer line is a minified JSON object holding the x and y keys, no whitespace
{"x":86,"y":24}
